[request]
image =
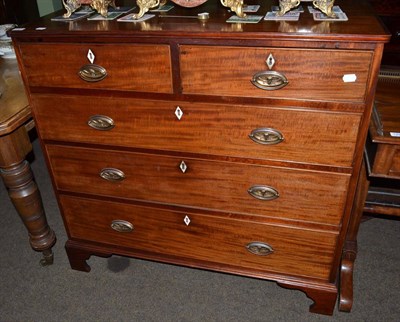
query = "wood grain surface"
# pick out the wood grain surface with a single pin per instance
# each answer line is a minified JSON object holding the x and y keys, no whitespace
{"x":303,"y":195}
{"x":212,"y":239}
{"x":312,"y":137}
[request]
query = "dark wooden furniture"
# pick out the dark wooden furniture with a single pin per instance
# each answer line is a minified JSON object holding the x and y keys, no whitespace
{"x":15,"y":122}
{"x":378,"y":191}
{"x":180,"y":141}
{"x":389,"y":13}
{"x":383,"y":147}
{"x":18,"y":11}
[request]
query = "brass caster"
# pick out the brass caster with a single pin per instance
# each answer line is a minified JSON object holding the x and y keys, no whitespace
{"x":48,"y":258}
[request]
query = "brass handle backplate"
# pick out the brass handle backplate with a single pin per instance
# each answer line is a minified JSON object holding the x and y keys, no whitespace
{"x":112,"y":174}
{"x":263,"y":192}
{"x":101,"y":122}
{"x":269,"y":80}
{"x":122,"y":226}
{"x":92,"y":73}
{"x":266,"y":135}
{"x":259,"y":248}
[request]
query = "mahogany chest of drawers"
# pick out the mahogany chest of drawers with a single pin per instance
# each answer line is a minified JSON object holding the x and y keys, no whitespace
{"x":230,"y":147}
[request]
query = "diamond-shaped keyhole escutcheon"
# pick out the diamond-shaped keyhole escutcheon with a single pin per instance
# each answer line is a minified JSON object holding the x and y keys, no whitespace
{"x":270,"y":61}
{"x":90,"y":56}
{"x":178,"y":113}
{"x":186,"y":220}
{"x":183,"y":166}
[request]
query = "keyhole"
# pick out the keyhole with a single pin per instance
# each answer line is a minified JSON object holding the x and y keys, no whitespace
{"x":270,"y":61}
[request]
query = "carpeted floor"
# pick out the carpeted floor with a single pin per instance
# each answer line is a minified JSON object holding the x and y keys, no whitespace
{"x":122,"y":289}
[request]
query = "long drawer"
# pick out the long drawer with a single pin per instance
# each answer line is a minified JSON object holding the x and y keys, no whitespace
{"x":316,"y":137}
{"x":231,"y":187}
{"x":246,"y":245}
{"x":128,"y":67}
{"x":310,"y":73}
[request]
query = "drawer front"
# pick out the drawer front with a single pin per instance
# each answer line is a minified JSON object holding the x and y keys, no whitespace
{"x":311,"y":74}
{"x":145,"y":68}
{"x":387,"y":161}
{"x":308,"y":137}
{"x":199,"y":237}
{"x":231,"y":187}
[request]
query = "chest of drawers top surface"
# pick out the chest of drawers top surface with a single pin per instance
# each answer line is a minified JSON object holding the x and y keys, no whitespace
{"x":362,"y":26}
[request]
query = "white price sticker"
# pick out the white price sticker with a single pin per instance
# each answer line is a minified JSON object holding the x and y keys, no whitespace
{"x":349,"y":78}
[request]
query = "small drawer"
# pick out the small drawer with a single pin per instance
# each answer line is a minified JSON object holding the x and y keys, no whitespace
{"x":386,"y":161}
{"x":383,"y":146}
{"x":332,"y":75}
{"x":215,"y":241}
{"x":315,"y":137}
{"x":317,"y":197}
{"x":130,"y":67}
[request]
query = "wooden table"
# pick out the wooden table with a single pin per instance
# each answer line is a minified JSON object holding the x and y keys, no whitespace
{"x":15,"y":122}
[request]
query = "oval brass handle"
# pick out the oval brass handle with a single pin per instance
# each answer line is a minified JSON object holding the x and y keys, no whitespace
{"x":112,"y":174}
{"x":263,"y":192}
{"x":269,"y":80}
{"x":101,"y":122}
{"x":121,"y":226}
{"x":92,"y":73}
{"x":259,"y":248}
{"x":266,"y":135}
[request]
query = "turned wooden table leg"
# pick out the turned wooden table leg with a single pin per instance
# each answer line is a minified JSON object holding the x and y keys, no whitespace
{"x":24,"y":193}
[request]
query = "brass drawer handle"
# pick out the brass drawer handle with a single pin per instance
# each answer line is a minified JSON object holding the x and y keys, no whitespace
{"x":269,"y":80}
{"x":112,"y":174}
{"x":259,"y":248}
{"x":263,"y":192}
{"x":122,"y":226}
{"x":92,"y":73}
{"x":266,"y":135}
{"x":101,"y":122}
